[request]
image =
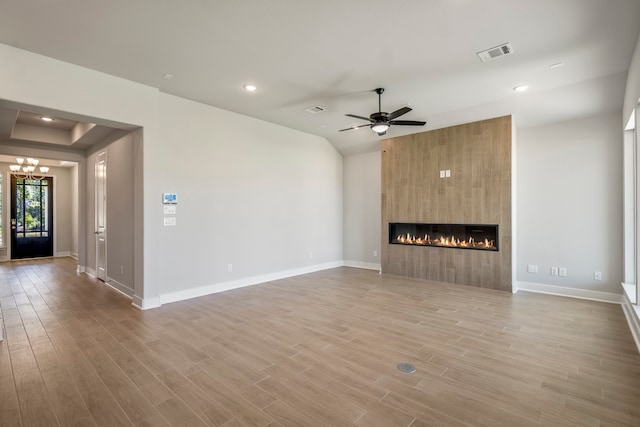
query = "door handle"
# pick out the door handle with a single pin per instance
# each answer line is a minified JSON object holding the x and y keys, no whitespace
{"x":97,"y":232}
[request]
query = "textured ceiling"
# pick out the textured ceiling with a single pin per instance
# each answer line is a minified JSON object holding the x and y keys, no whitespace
{"x":333,"y":53}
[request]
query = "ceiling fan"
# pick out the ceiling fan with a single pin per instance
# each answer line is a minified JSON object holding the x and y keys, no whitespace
{"x":381,"y":121}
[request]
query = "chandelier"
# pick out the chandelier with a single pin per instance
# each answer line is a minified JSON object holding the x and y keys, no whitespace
{"x":25,"y":169}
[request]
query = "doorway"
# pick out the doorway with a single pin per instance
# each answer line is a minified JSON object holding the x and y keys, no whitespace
{"x":31,"y":217}
{"x":101,"y":216}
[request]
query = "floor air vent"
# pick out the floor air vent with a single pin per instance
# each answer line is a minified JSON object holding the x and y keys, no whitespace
{"x":495,"y":52}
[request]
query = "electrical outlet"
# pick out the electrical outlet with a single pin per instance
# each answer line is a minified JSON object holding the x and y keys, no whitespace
{"x":554,"y":271}
{"x":310,"y":255}
{"x":563,"y":272}
{"x":229,"y":268}
{"x":597,"y":275}
{"x":532,"y":268}
{"x":121,"y":269}
{"x":375,"y":253}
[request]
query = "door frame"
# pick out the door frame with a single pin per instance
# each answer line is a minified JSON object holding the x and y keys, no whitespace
{"x":100,"y":157}
{"x":145,"y":291}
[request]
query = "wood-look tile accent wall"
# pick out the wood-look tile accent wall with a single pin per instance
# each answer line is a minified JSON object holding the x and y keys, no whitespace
{"x":478,"y":192}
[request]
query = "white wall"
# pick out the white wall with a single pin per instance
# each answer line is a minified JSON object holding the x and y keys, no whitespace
{"x":119,"y":213}
{"x":632,"y":89}
{"x":264,"y":198}
{"x":362,"y":204}
{"x":570,"y":203}
{"x":62,"y":204}
{"x":120,"y":227}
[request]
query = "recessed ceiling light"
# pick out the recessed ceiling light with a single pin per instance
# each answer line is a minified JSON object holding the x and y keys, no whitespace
{"x":250,"y":88}
{"x":521,"y":88}
{"x":556,"y":65}
{"x":47,"y":118}
{"x":167,"y":76}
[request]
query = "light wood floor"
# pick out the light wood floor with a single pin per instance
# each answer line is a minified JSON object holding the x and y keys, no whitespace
{"x":315,"y":350}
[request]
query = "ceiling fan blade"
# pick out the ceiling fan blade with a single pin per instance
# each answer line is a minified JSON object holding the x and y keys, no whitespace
{"x":407,"y":123}
{"x":402,"y":111}
{"x":354,"y":127}
{"x":359,"y":117}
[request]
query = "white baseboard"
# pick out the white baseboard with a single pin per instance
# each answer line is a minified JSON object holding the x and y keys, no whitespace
{"x":74,"y":255}
{"x":88,"y":271}
{"x":146,"y":303}
{"x":632,"y":313}
{"x":240,"y":283}
{"x":630,"y":291}
{"x":62,"y":254}
{"x":360,"y":264}
{"x":569,"y":292}
{"x":123,"y":289}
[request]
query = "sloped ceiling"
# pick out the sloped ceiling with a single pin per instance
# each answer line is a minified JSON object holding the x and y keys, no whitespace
{"x":332,"y":53}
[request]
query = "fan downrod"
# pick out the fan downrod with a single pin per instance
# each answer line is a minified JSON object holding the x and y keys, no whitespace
{"x":379,"y":92}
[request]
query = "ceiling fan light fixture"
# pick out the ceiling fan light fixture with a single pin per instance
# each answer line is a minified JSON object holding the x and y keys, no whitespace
{"x":381,"y":121}
{"x":379,"y":127}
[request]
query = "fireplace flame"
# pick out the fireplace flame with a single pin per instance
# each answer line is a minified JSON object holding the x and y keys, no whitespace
{"x":448,"y":241}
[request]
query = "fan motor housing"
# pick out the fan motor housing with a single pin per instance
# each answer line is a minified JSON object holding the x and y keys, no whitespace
{"x":380,"y":116}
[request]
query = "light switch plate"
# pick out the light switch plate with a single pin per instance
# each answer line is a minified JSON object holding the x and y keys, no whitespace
{"x":169,"y":221}
{"x":170,"y":209}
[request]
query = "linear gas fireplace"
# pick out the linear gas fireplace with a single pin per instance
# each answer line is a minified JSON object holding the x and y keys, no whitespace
{"x":462,"y":236}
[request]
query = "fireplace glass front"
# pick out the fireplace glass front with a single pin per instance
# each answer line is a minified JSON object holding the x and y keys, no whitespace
{"x":462,"y":236}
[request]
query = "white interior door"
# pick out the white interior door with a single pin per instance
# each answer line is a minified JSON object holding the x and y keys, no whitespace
{"x":101,"y":216}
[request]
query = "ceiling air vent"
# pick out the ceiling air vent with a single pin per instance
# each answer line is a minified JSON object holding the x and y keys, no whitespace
{"x":495,"y":52}
{"x":315,"y":110}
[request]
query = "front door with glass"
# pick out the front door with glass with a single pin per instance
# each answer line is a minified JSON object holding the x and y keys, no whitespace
{"x":31,"y":218}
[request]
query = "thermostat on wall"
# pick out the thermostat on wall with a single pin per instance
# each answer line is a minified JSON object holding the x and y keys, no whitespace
{"x":170,"y":198}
